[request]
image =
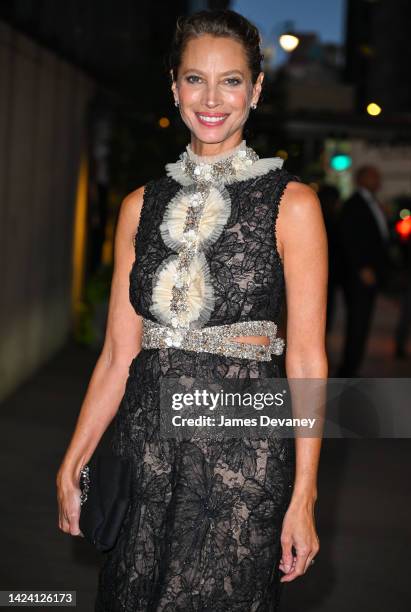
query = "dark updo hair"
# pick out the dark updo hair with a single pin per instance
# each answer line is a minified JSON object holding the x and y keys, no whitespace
{"x":224,"y":23}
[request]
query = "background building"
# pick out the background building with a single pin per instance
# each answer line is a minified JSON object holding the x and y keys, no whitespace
{"x":73,"y":75}
{"x":378,"y":53}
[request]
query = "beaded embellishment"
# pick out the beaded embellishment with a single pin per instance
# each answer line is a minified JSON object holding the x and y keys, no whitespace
{"x":238,"y":164}
{"x":183,"y":294}
{"x":216,"y":339}
{"x":84,"y":483}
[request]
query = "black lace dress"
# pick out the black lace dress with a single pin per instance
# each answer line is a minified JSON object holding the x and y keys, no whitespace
{"x":203,"y":529}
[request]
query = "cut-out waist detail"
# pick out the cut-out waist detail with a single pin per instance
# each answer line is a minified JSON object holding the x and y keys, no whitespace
{"x":217,"y":339}
{"x":264,"y":340}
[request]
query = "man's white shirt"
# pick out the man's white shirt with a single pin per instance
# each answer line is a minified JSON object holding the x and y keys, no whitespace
{"x":376,"y":211}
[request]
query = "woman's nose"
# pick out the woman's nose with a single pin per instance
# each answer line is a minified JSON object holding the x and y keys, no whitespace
{"x":211,"y":97}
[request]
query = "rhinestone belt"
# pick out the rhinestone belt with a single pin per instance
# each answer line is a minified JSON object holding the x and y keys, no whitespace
{"x":215,"y":339}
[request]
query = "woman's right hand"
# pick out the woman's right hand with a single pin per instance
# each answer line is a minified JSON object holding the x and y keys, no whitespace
{"x":68,"y":498}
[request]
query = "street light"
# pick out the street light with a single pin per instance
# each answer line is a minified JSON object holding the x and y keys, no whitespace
{"x":288,"y":39}
{"x":281,"y":33}
{"x":374,"y":109}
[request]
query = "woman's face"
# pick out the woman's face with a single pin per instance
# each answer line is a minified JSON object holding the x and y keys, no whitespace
{"x":214,"y":88}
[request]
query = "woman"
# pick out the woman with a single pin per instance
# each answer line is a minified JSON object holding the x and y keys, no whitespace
{"x":211,"y":526}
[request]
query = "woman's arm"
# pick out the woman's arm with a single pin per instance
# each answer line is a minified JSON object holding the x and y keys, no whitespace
{"x":302,"y":244}
{"x":107,"y":384}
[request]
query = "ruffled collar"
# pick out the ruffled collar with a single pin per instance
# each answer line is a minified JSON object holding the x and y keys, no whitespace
{"x":237,"y":164}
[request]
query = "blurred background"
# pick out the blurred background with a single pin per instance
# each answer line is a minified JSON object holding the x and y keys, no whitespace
{"x":87,"y":115}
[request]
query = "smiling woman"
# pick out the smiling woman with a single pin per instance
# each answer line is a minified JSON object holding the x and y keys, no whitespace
{"x":204,"y":257}
{"x":215,"y":90}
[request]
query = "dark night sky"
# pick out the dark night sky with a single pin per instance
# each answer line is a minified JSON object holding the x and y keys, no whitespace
{"x":323,"y":16}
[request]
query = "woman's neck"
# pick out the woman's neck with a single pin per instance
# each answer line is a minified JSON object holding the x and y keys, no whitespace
{"x":201,"y":157}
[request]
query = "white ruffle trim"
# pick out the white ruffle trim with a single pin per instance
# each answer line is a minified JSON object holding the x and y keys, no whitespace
{"x":257,"y":168}
{"x":200,"y":294}
{"x":216,"y":211}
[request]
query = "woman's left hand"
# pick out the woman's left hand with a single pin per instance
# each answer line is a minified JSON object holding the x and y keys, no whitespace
{"x":298,"y":531}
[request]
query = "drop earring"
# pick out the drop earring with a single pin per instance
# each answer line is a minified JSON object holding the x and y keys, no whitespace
{"x":254,"y":106}
{"x":175,"y":102}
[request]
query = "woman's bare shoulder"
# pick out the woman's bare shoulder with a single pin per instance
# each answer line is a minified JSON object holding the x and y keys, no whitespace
{"x":131,"y":206}
{"x":133,"y":201}
{"x":299,"y":199}
{"x":300,"y":214}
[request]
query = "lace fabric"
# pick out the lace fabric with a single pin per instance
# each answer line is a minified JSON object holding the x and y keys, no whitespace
{"x":203,"y":530}
{"x":244,"y":262}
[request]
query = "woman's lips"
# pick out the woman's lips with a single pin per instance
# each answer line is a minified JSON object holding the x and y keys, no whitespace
{"x":211,"y":120}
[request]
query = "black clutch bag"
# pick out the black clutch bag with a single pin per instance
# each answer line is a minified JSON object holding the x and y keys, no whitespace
{"x":105,"y":497}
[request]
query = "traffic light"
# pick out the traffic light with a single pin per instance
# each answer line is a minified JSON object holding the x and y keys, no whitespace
{"x":403,"y":228}
{"x":340,"y":162}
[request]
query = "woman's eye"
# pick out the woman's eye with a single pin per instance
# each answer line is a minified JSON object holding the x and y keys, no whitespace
{"x":192,"y":76}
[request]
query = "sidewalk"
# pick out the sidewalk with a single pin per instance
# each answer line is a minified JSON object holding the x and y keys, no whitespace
{"x":36,"y":426}
{"x":379,"y":359}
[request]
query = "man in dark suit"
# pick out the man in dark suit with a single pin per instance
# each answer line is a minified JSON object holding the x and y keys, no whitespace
{"x":364,"y":238}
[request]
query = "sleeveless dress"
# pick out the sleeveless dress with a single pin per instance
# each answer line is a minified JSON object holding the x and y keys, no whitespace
{"x":202,"y":532}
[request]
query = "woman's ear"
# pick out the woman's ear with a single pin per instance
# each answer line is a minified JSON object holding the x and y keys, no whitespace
{"x":258,"y":85}
{"x":173,"y":85}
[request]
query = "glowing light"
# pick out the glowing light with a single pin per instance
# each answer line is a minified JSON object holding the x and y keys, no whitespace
{"x":404,"y":213}
{"x":340,"y":162}
{"x":283,"y":154}
{"x":374,"y":109}
{"x":403,"y":228}
{"x":164,"y":122}
{"x":79,"y":236}
{"x":289,"y":42}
